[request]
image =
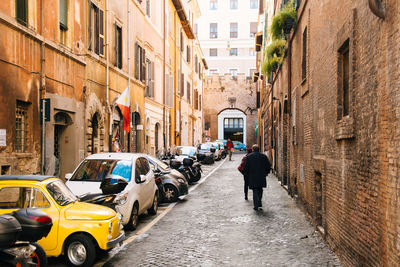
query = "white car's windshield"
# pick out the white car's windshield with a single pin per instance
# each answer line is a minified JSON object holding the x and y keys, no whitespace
{"x":60,"y":192}
{"x":205,"y":146}
{"x":96,"y":170}
{"x":161,"y":164}
{"x":185,"y":150}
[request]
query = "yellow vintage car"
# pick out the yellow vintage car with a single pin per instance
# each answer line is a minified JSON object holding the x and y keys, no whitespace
{"x":79,"y":229}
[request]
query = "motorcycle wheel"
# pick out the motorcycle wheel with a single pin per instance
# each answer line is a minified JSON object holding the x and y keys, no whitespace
{"x":197,"y":176}
{"x":39,"y":256}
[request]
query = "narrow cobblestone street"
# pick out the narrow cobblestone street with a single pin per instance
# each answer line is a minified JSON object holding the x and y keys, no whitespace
{"x":215,"y":226}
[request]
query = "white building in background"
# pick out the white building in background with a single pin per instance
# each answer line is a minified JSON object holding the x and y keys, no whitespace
{"x":226,"y":32}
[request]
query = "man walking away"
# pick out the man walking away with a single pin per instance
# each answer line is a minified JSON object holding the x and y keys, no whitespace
{"x":229,"y":144}
{"x":246,"y":179}
{"x":257,"y":167}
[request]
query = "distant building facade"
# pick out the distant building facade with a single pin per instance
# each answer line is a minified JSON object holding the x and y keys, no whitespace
{"x":226,"y":32}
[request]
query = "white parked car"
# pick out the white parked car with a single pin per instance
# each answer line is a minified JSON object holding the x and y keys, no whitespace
{"x":130,"y":172}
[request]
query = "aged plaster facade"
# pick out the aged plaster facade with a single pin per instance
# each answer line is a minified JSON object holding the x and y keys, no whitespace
{"x":333,"y":125}
{"x":39,"y":60}
{"x":228,"y":98}
{"x":80,"y":59}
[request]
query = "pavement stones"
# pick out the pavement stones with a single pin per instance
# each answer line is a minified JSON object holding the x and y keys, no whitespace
{"x":215,"y":226}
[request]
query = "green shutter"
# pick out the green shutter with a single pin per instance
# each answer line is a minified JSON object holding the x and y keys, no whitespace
{"x":63,"y":14}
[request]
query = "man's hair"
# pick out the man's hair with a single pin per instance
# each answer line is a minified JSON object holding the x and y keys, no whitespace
{"x":255,"y":148}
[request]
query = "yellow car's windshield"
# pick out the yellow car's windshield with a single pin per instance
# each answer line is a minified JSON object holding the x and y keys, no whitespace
{"x":60,"y":192}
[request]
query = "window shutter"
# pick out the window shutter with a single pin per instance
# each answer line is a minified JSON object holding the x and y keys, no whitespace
{"x":152,"y":79}
{"x":167,"y":89}
{"x":63,"y":5}
{"x":101,"y":32}
{"x":116,"y":44}
{"x":137,"y":60}
{"x":90,"y":29}
{"x":182,"y":84}
{"x":143,"y":69}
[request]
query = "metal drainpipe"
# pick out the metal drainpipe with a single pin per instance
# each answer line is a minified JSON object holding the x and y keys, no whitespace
{"x":42,"y":93}
{"x":289,"y":55}
{"x":377,"y":8}
{"x":164,"y":72}
{"x":129,"y":143}
{"x":108,"y":80}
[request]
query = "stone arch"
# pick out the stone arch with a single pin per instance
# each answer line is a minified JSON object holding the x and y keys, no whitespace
{"x":230,"y":131}
{"x":94,"y":118}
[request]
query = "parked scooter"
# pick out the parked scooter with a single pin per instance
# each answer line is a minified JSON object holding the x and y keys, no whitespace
{"x":19,"y":232}
{"x":194,"y":168}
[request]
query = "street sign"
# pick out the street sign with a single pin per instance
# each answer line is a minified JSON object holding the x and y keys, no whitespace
{"x":46,"y":109}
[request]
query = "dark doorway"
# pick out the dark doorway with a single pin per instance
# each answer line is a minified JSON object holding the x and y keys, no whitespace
{"x":135,"y":133}
{"x":156,"y":136}
{"x":233,"y":129}
{"x":95,"y":134}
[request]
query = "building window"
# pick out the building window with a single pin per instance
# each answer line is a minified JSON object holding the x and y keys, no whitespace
{"x":150,"y":79}
{"x":212,"y":71}
{"x":21,"y":126}
{"x":233,"y":72}
{"x":188,"y":92}
{"x":252,"y":52}
{"x":253,"y":28}
{"x":21,"y":11}
{"x":196,"y":28}
{"x":148,"y":6}
{"x":304,"y":58}
{"x":118,"y":46}
{"x":213,"y":30}
{"x":96,"y":30}
{"x":140,"y":63}
{"x":63,"y":4}
{"x":234,"y":30}
{"x":233,"y":52}
{"x":182,"y":43}
{"x":196,"y":64}
{"x":213,"y":52}
{"x":344,"y":77}
{"x":253,"y":4}
{"x":234,"y":4}
{"x":213,"y":4}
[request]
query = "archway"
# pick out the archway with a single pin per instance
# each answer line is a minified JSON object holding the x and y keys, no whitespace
{"x":118,"y":141}
{"x":232,"y":125}
{"x":63,"y":144}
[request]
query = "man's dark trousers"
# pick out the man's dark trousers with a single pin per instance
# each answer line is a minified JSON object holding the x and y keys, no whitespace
{"x":257,"y":197}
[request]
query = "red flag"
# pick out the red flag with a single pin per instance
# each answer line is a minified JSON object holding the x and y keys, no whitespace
{"x":123,"y":103}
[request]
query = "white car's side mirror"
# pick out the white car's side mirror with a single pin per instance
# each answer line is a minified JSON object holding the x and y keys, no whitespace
{"x":142,"y":178}
{"x":68,"y":176}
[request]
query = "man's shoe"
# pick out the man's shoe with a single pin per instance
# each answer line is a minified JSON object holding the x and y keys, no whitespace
{"x":245,"y":198}
{"x":255,"y":208}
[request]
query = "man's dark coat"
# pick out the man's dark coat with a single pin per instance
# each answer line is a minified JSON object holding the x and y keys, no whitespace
{"x":256,"y":168}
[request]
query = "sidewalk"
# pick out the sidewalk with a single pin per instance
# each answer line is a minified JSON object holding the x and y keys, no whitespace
{"x":215,"y":226}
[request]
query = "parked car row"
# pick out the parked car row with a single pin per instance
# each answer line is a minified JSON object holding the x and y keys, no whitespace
{"x":104,"y":195}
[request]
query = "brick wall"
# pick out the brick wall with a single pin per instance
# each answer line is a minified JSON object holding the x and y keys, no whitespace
{"x":351,"y":174}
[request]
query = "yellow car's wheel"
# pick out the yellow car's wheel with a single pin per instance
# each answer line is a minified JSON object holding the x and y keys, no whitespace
{"x":80,"y":250}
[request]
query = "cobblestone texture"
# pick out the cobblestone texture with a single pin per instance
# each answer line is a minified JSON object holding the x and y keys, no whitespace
{"x":215,"y":226}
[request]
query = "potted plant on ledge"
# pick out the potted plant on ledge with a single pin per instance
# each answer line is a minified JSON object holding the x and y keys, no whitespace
{"x":284,"y":21}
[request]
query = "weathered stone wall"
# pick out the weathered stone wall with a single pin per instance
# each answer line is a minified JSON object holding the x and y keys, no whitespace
{"x":218,"y":90}
{"x":351,"y":173}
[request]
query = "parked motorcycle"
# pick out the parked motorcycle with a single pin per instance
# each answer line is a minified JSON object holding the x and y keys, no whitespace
{"x":194,"y":169}
{"x":19,"y":232}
